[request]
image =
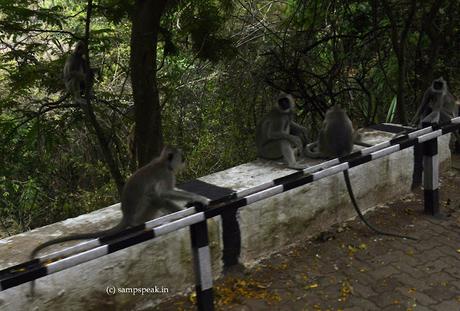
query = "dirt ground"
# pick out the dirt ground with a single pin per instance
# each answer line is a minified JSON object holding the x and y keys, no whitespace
{"x":351,"y":268}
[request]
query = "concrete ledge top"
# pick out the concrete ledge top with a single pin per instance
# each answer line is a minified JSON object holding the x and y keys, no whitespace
{"x":260,"y":171}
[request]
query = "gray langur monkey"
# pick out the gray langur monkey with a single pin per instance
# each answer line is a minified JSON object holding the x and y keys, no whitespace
{"x":336,"y":140}
{"x":438,"y":104}
{"x":149,"y":190}
{"x":277,"y":133}
{"x":75,"y":72}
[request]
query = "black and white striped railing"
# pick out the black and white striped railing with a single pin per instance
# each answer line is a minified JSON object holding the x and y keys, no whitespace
{"x":85,"y":246}
{"x":236,"y":195}
{"x":93,"y":249}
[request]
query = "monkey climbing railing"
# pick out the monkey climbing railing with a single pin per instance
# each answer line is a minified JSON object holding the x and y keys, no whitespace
{"x":196,"y":217}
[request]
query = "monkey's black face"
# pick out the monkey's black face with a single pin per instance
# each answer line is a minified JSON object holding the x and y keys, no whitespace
{"x":284,"y":104}
{"x":80,"y":48}
{"x":438,"y":85}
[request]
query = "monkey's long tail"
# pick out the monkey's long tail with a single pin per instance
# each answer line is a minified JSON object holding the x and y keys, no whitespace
{"x":361,"y":216}
{"x":83,"y":236}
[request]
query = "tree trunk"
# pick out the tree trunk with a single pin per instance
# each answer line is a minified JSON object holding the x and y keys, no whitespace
{"x":400,"y":100}
{"x":148,"y":138}
{"x":399,"y":46}
{"x":90,"y":116}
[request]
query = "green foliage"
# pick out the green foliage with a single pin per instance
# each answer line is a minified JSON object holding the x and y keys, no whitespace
{"x":392,"y":110}
{"x":220,"y":64}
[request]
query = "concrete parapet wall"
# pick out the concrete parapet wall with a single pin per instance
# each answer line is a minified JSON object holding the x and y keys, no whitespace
{"x":165,"y":263}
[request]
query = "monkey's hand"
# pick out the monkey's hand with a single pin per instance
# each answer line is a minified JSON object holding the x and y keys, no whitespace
{"x":200,"y":199}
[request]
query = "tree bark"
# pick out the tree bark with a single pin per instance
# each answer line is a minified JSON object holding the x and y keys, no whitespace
{"x":148,"y":138}
{"x":399,"y":46}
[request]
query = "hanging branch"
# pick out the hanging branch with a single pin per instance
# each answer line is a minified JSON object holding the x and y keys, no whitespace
{"x":91,"y":116}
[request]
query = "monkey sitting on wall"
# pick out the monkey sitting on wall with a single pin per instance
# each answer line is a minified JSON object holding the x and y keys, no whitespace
{"x":438,"y":104}
{"x":149,"y":190}
{"x":277,"y":133}
{"x":336,"y":140}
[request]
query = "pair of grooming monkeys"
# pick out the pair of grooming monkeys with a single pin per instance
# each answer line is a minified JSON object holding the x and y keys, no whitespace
{"x":152,"y":188}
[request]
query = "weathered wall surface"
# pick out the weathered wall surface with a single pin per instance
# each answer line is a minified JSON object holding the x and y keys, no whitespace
{"x":165,"y":262}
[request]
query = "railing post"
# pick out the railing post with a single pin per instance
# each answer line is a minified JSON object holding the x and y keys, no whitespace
{"x":202,"y":264}
{"x":431,"y":176}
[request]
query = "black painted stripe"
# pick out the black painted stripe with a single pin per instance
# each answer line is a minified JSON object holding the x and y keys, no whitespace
{"x":285,"y":179}
{"x":108,"y":238}
{"x":199,"y":235}
{"x":204,"y":299}
{"x":430,"y":148}
{"x":431,"y":201}
{"x":297,"y":183}
{"x":450,"y":128}
{"x":23,"y":277}
{"x":224,"y":199}
{"x":19,"y":268}
{"x":214,"y":211}
{"x":408,"y":143}
{"x":361,"y":160}
{"x":350,"y":156}
{"x":398,"y":139}
{"x":126,"y":242}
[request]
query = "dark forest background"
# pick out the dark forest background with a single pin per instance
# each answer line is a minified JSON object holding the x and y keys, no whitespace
{"x":199,"y":75}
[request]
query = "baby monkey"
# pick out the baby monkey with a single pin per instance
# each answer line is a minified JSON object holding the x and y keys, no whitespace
{"x":336,"y":140}
{"x":277,"y":133}
{"x":149,"y":190}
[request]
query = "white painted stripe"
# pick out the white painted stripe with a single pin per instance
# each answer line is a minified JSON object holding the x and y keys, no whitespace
{"x":384,"y":152}
{"x":431,"y":172}
{"x":330,"y":171}
{"x":243,"y":193}
{"x":371,"y":149}
{"x":77,"y":259}
{"x":420,"y":132}
{"x":178,"y":224}
{"x":71,"y":250}
{"x":321,"y":166}
{"x":170,"y":217}
{"x":264,"y":194}
{"x":429,"y":136}
{"x":204,"y":266}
